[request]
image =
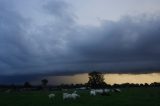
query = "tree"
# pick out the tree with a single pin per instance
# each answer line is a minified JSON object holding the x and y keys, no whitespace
{"x":27,"y":85}
{"x":44,"y":82}
{"x":96,"y":80}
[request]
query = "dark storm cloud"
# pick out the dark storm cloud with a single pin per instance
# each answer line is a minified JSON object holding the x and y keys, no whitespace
{"x":128,"y":37}
{"x":64,"y":47}
{"x":128,"y":45}
{"x":12,"y":42}
{"x":25,"y":50}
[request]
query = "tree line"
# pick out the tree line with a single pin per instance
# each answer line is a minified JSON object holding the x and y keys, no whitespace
{"x":96,"y":80}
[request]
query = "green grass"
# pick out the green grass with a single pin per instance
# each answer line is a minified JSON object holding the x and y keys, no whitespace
{"x":128,"y":97}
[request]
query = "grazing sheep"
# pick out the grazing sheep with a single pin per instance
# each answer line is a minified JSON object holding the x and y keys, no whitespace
{"x":75,"y":92}
{"x":51,"y":96}
{"x":74,"y":96}
{"x":70,"y":96}
{"x":93,"y":93}
{"x":66,"y":96}
{"x":100,"y":91}
{"x":107,"y":90}
{"x":117,"y":90}
{"x":8,"y":91}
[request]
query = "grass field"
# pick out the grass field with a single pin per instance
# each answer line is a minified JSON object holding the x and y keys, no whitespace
{"x":128,"y":97}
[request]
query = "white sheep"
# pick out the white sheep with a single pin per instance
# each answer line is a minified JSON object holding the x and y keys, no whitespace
{"x":107,"y":90}
{"x":66,"y":96}
{"x":75,"y":92}
{"x":93,"y":93}
{"x":51,"y":96}
{"x":100,"y":91}
{"x":74,"y":95}
{"x":70,"y":96}
{"x":117,"y":90}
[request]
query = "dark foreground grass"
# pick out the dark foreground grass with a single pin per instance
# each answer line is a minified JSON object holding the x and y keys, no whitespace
{"x":128,"y":97}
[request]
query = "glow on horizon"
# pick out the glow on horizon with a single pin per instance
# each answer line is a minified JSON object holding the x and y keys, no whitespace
{"x":132,"y":78}
{"x":109,"y":79}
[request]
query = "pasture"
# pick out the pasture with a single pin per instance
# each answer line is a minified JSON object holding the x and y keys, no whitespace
{"x":128,"y":97}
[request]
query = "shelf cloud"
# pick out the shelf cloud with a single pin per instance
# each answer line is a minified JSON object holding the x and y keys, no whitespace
{"x":52,"y":42}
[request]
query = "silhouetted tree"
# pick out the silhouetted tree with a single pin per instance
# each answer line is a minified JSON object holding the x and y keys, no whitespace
{"x":96,"y":80}
{"x":44,"y":83}
{"x":27,"y":85}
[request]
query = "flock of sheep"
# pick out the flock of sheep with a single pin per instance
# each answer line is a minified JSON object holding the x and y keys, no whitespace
{"x":73,"y":95}
{"x":93,"y":92}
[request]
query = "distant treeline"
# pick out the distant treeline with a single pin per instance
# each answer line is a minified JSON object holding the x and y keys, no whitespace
{"x":73,"y":86}
{"x":96,"y":81}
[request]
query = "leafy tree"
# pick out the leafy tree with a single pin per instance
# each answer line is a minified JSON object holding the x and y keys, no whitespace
{"x":96,"y":80}
{"x":44,"y":82}
{"x":27,"y":85}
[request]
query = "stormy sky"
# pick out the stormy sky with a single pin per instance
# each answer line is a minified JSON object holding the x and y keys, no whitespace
{"x":47,"y":37}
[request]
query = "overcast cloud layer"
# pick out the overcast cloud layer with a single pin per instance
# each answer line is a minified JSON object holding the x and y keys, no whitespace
{"x":47,"y":40}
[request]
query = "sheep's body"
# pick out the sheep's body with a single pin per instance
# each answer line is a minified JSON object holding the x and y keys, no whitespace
{"x":117,"y":90}
{"x":66,"y":96}
{"x":107,"y":90}
{"x":70,"y":96}
{"x":75,"y":92}
{"x":74,"y":95}
{"x":51,"y":96}
{"x":100,"y":91}
{"x":93,"y":93}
